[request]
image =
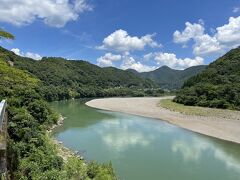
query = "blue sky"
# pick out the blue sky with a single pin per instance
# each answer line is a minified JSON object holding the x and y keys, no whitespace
{"x":142,"y":35}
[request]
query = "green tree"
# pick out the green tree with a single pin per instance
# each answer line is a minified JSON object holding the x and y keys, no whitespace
{"x":75,"y":169}
{"x":218,"y":86}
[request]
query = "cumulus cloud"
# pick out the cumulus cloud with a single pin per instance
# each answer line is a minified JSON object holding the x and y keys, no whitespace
{"x":224,"y":37}
{"x":127,"y":62}
{"x":172,"y":61}
{"x":54,"y":13}
{"x":191,"y":31}
{"x":206,"y":44}
{"x":159,"y":58}
{"x":121,"y":41}
{"x":107,"y":59}
{"x":28,"y":54}
{"x":229,"y":34}
{"x":130,"y":63}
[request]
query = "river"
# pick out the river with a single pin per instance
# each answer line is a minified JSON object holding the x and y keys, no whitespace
{"x":143,"y":148}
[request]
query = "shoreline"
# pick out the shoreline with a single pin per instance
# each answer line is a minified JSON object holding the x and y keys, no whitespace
{"x":62,"y":151}
{"x":225,"y":128}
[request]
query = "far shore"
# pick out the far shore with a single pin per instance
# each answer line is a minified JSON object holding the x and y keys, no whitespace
{"x":225,"y":127}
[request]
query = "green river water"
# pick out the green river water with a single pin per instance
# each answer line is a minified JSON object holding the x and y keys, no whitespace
{"x":144,"y":148}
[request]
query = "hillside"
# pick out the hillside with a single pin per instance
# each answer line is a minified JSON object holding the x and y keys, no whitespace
{"x":217,"y":86}
{"x":168,"y":78}
{"x":31,"y":155}
{"x":64,"y":79}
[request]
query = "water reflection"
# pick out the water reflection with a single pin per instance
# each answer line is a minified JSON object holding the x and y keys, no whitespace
{"x":123,"y":138}
{"x":144,"y":148}
{"x":191,"y":151}
{"x":197,"y":147}
{"x":124,"y":132}
{"x":76,"y":114}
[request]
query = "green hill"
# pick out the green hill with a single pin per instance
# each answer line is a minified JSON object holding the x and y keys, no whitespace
{"x":168,"y":78}
{"x":217,"y":86}
{"x":64,"y":79}
{"x":30,"y":153}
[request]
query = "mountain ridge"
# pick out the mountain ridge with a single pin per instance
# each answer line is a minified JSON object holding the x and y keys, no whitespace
{"x":168,"y":78}
{"x":65,"y":79}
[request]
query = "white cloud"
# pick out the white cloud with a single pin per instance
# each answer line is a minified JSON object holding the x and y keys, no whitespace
{"x":130,"y":63}
{"x":107,"y":59}
{"x":229,"y":34}
{"x":206,"y":44}
{"x":236,"y":9}
{"x":172,"y":61}
{"x":161,"y":59}
{"x":127,"y":62}
{"x":33,"y":56}
{"x":191,"y":31}
{"x":121,"y":41}
{"x":54,"y":13}
{"x":16,"y":51}
{"x":224,"y":38}
{"x":28,"y":54}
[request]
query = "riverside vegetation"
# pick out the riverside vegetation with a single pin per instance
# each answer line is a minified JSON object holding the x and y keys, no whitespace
{"x":218,"y":86}
{"x":28,"y":85}
{"x":198,"y":111}
{"x":31,"y":154}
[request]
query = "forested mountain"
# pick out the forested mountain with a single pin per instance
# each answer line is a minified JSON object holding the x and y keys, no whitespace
{"x":168,"y":78}
{"x":217,"y":86}
{"x":64,"y":79}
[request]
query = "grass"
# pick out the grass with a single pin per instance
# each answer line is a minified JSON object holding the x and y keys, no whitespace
{"x":198,"y":111}
{"x":189,"y":110}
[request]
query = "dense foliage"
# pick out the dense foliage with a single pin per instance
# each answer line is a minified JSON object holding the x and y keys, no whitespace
{"x":217,"y":86}
{"x":65,"y":79}
{"x":27,"y":84}
{"x":31,"y":155}
{"x":168,"y":78}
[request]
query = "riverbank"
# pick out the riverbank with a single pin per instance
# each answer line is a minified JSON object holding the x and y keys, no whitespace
{"x":226,"y":127}
{"x":62,"y":151}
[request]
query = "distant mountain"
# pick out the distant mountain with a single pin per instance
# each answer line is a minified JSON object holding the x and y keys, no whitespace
{"x":217,"y":86}
{"x":168,"y":78}
{"x":64,"y":79}
{"x":133,"y":71}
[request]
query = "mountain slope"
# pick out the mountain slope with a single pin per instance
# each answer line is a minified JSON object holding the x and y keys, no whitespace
{"x":168,"y":78}
{"x":30,"y":153}
{"x":64,"y":79}
{"x":217,"y":86}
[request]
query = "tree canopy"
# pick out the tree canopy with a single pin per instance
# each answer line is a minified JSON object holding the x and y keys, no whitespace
{"x":64,"y":79}
{"x":30,"y":153}
{"x":217,"y":86}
